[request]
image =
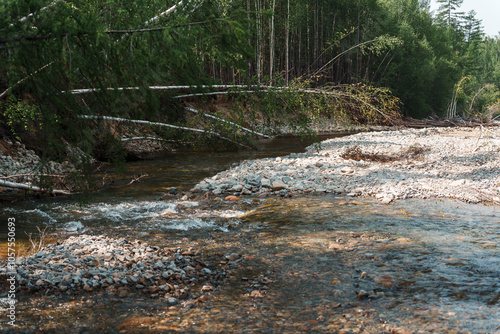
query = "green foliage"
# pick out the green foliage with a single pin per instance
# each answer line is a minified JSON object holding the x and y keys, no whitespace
{"x":55,"y":48}
{"x":476,"y":94}
{"x":22,"y":117}
{"x":423,"y":70}
{"x":299,"y":105}
{"x":475,"y":100}
{"x":448,"y":12}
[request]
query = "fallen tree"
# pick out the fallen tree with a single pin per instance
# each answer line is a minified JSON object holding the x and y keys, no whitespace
{"x":30,"y":187}
{"x":360,"y":97}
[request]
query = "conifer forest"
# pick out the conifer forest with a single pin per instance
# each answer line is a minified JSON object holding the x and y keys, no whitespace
{"x":66,"y":66}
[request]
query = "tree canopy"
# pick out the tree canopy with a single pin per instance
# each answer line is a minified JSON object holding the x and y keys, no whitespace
{"x":434,"y":64}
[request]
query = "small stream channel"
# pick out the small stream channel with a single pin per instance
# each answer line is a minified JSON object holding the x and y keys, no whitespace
{"x":309,"y":264}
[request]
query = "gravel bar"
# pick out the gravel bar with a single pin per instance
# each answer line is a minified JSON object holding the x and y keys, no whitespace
{"x":117,"y":267}
{"x":461,"y":163}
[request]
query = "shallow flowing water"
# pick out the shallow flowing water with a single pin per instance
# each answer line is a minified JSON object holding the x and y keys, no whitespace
{"x":309,"y":264}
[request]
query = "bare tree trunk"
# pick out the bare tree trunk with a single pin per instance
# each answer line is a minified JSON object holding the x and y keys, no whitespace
{"x":287,"y":61}
{"x":271,"y":45}
{"x":358,"y":66}
{"x":316,"y":35}
{"x":117,"y":119}
{"x":259,"y":40}
{"x":25,"y":78}
{"x":229,"y":122}
{"x":92,"y":90}
{"x":299,"y":60}
{"x":213,"y":69}
{"x":249,"y":17}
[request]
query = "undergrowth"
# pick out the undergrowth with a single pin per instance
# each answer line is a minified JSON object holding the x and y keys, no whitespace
{"x":355,"y":153}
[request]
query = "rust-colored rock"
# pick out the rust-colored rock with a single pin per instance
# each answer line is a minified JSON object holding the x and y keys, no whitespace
{"x":122,"y":292}
{"x":232,"y":198}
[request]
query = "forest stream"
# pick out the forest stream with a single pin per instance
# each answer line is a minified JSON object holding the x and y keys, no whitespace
{"x":306,"y":264}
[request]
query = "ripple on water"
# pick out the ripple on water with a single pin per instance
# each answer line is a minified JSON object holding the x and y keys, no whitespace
{"x":42,"y":214}
{"x":122,"y":213}
{"x":187,"y":224}
{"x":73,"y":226}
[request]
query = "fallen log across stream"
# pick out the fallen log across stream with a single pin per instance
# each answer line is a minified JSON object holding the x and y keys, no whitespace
{"x":30,"y":187}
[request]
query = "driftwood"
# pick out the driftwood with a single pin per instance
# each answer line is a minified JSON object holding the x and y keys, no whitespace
{"x":137,"y":179}
{"x":30,"y":187}
{"x":144,"y":138}
{"x":117,"y":119}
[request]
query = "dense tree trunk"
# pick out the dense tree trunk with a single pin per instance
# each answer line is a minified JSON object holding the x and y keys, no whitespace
{"x":272,"y":43}
{"x":287,"y":61}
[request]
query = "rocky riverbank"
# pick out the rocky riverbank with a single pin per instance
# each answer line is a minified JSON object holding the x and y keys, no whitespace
{"x":18,"y":162}
{"x":20,"y":166}
{"x":460,"y":162}
{"x":118,"y":267}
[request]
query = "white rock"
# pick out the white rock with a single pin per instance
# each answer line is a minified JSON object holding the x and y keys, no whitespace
{"x":265,"y":183}
{"x":278,"y":185}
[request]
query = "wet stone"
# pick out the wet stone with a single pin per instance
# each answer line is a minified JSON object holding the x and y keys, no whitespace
{"x":172,"y":301}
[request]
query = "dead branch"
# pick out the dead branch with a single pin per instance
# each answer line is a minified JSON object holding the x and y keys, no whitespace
{"x":22,"y":175}
{"x":25,"y":78}
{"x":165,"y":13}
{"x":137,"y":179}
{"x":41,"y":239}
{"x":145,"y":138}
{"x":30,"y":187}
{"x":92,"y":90}
{"x":342,"y":53}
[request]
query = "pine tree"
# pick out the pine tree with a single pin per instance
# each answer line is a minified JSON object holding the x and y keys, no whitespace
{"x":448,"y":12}
{"x":46,"y":51}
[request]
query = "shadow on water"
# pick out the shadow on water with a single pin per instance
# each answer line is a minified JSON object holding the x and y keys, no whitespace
{"x":309,"y":264}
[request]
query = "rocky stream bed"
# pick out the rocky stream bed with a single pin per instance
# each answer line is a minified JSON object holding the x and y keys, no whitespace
{"x":327,"y":241}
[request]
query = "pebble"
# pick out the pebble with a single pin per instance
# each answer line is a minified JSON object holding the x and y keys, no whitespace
{"x":232,"y":257}
{"x":172,"y":301}
{"x":362,"y":294}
